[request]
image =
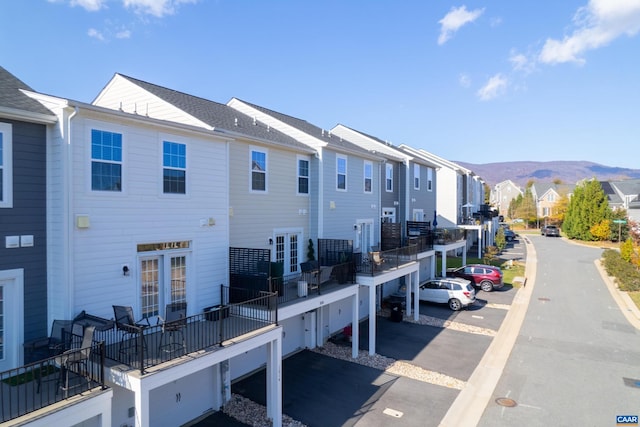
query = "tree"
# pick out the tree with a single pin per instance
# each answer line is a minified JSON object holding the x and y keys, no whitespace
{"x":559,"y":210}
{"x":626,"y":250}
{"x":501,"y":242}
{"x":601,"y":231}
{"x":588,"y":207}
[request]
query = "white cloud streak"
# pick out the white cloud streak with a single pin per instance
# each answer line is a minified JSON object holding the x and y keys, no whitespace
{"x":596,"y":25}
{"x":454,"y":20}
{"x":93,"y":33}
{"x":157,"y":8}
{"x":90,"y":5}
{"x":496,"y":86}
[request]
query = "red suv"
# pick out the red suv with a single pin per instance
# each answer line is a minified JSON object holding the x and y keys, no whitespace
{"x":486,"y":277}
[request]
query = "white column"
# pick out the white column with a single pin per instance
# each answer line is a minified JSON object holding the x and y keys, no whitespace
{"x":141,"y":398}
{"x":444,"y":263}
{"x":433,"y":266}
{"x":355,"y":326}
{"x":372,"y":320}
{"x":274,"y":382}
{"x":479,"y":242}
{"x":225,"y":381}
{"x":416,"y":298}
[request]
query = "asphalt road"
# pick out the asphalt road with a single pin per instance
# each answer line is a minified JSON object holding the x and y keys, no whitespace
{"x":576,"y":360}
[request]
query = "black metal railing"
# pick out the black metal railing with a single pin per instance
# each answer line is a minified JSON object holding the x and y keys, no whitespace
{"x":49,"y":381}
{"x":445,"y":236}
{"x":144,"y":347}
{"x":377,"y":262}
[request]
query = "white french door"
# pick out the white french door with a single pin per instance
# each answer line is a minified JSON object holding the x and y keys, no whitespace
{"x":11,"y":318}
{"x":288,"y":250}
{"x":163,"y":280}
{"x":364,"y":236}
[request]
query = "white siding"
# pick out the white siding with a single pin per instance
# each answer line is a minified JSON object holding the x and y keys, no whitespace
{"x":141,"y":213}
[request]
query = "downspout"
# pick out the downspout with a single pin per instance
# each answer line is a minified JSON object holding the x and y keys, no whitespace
{"x":408,"y":185}
{"x":68,"y":250}
{"x":320,"y":214}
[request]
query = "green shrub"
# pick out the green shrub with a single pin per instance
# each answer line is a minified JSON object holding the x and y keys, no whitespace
{"x":626,"y":274}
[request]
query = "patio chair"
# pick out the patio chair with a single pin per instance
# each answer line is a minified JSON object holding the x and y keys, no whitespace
{"x":173,"y":323}
{"x":376,"y":258}
{"x":52,"y":345}
{"x":130,"y":328}
{"x":76,"y":359}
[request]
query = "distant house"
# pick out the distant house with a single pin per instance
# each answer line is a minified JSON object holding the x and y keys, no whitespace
{"x":503,"y":194}
{"x":624,"y":194}
{"x":23,"y":226}
{"x":546,"y":196}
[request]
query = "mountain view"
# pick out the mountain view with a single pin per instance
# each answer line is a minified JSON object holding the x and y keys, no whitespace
{"x":568,"y":172}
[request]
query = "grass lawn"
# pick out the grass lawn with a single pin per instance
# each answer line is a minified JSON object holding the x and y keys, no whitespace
{"x":635,"y":296}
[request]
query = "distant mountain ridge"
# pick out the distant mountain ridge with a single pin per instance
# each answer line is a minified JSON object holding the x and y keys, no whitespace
{"x":568,"y":172}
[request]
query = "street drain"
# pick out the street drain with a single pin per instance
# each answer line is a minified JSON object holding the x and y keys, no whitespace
{"x":544,"y":299}
{"x":505,"y":401}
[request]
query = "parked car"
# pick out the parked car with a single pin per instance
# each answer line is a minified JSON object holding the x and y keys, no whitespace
{"x":550,"y":230}
{"x":455,"y":291}
{"x":486,"y":277}
{"x":509,"y":234}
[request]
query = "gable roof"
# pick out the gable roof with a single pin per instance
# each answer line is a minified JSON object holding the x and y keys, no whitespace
{"x":13,"y":100}
{"x":219,"y":116}
{"x":332,"y":141}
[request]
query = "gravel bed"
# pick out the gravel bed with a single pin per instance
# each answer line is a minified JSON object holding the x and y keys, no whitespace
{"x":251,"y":413}
{"x":456,"y":326}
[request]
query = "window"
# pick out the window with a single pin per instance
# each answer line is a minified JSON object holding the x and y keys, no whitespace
{"x":174,"y":171}
{"x":551,"y":197}
{"x":389,"y":177}
{"x":6,"y":172}
{"x":258,"y":170}
{"x":368,"y":177}
{"x":341,"y":177}
{"x":303,"y":176}
{"x":429,"y":179}
{"x":106,"y":161}
{"x":416,"y":177}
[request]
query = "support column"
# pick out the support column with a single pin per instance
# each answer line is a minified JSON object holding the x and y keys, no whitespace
{"x":464,"y":259}
{"x":225,"y":381}
{"x":274,"y":382}
{"x":141,"y":399}
{"x":355,"y":326}
{"x":372,"y":320}
{"x":416,"y":296}
{"x":433,"y":266}
{"x":443,"y":273}
{"x":479,"y":242}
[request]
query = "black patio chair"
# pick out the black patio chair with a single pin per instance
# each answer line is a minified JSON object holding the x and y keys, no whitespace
{"x":173,"y":324}
{"x":130,"y":328}
{"x":54,"y":344}
{"x":75,"y":361}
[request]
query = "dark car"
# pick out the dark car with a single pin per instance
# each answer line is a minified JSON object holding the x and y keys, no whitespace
{"x":550,"y":230}
{"x":509,"y":234}
{"x":486,"y":277}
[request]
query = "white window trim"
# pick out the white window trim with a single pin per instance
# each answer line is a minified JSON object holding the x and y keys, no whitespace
{"x":176,"y":140}
{"x":308,"y":160}
{"x":107,"y":127}
{"x":266,"y":169}
{"x":346,"y":175}
{"x":364,"y":178}
{"x":388,"y":167}
{"x":14,"y":324}
{"x":429,"y":179}
{"x":7,"y":165}
{"x":416,"y":176}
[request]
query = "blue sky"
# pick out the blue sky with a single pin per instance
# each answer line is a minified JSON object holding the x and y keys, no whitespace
{"x":473,"y":81}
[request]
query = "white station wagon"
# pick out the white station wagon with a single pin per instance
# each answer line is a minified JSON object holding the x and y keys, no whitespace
{"x":455,"y":291}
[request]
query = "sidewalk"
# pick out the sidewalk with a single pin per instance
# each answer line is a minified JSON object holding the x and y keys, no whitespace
{"x":624,"y":301}
{"x":470,"y":404}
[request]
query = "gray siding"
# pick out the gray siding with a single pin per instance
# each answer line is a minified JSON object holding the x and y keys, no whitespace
{"x":28,"y":217}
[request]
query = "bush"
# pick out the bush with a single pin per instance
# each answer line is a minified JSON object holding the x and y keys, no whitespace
{"x":626,"y":274}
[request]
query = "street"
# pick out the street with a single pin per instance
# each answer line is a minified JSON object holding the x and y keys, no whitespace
{"x":576,"y":360}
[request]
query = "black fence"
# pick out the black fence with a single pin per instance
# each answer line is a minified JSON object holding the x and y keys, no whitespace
{"x":142,"y":347}
{"x":377,"y":262}
{"x":52,"y":380}
{"x":338,"y":254}
{"x":252,"y":269}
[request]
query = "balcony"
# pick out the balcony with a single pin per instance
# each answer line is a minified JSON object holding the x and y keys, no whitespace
{"x":380,"y":262}
{"x":447,"y":236}
{"x":50,"y":381}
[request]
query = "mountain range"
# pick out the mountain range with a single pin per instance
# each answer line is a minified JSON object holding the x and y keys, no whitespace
{"x":569,"y":172}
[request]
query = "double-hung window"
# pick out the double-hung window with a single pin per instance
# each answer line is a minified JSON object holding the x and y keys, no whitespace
{"x":416,"y":176}
{"x":303,"y":176}
{"x":389,"y":177}
{"x":258,"y":170}
{"x":174,"y":167}
{"x":106,"y":161}
{"x":6,"y":172}
{"x":429,"y":179}
{"x":341,"y":173}
{"x":368,"y":177}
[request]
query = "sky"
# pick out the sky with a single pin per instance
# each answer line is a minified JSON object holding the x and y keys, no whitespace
{"x":470,"y":81}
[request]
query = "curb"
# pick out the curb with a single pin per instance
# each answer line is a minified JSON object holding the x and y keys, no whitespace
{"x":471,"y":402}
{"x":622,"y":299}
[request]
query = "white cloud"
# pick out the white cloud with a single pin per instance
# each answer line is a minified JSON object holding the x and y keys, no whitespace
{"x":454,"y":20}
{"x":90,"y":5}
{"x":464,"y":80}
{"x":496,"y":86}
{"x":95,"y":34}
{"x":123,"y":34}
{"x":157,"y":8}
{"x":596,"y":25}
{"x":522,"y":62}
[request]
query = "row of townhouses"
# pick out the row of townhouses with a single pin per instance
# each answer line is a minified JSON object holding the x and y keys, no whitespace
{"x":163,"y":245}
